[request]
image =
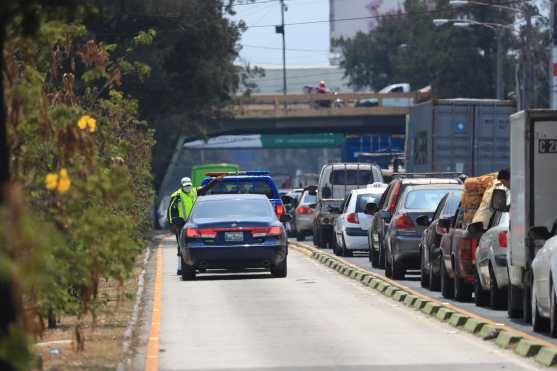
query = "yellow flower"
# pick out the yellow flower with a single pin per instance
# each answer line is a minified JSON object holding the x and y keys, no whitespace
{"x":64,"y":184}
{"x":63,"y":173}
{"x":51,"y":180}
{"x":82,"y":123}
{"x":87,"y":122}
{"x":92,"y":124}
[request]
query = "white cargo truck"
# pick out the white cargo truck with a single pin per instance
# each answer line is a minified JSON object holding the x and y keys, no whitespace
{"x":533,"y":135}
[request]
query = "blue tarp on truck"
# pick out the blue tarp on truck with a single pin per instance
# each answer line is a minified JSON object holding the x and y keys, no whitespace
{"x":387,"y":144}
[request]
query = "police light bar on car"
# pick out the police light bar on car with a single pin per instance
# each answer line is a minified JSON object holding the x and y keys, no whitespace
{"x":215,"y":174}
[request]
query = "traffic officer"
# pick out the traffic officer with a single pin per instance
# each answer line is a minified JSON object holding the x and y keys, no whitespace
{"x":180,"y":206}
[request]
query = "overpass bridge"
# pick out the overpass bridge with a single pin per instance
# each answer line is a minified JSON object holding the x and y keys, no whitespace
{"x":380,"y":113}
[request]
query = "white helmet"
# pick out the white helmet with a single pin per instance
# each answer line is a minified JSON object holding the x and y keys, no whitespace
{"x":185,"y":181}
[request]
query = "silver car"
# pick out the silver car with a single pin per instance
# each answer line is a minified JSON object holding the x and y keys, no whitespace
{"x":302,"y":221}
{"x":544,"y":295}
{"x":491,"y":283}
{"x":351,"y":226}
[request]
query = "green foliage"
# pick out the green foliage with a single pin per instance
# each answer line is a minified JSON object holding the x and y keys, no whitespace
{"x":456,"y":62}
{"x":69,"y":120}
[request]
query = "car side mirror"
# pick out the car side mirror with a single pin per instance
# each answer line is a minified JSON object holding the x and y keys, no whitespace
{"x":499,"y":200}
{"x":371,"y":208}
{"x":476,"y":228}
{"x":423,"y":220}
{"x":285,"y":218}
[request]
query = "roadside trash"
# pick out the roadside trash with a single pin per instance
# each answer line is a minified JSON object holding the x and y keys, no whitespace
{"x":54,"y":352}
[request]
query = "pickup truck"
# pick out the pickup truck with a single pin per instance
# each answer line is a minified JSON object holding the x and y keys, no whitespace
{"x":459,"y":242}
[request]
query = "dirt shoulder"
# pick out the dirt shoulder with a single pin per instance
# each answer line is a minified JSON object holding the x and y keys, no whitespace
{"x":104,"y":342}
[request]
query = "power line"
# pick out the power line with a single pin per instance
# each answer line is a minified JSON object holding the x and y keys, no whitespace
{"x":391,"y":15}
{"x":290,"y":50}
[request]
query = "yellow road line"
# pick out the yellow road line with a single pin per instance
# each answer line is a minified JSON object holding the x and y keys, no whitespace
{"x":153,"y":347}
{"x":308,"y":250}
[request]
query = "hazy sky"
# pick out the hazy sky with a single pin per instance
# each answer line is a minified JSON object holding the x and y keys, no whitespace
{"x":313,"y":38}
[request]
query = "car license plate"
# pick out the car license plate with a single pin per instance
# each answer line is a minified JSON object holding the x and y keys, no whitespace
{"x":234,"y":236}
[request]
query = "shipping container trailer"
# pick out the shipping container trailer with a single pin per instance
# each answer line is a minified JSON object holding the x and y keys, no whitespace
{"x":469,"y":136}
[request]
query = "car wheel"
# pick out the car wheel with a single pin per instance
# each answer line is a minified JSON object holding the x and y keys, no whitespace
{"x":345,"y":251}
{"x":481,"y":297}
{"x":462,"y":290}
{"x":187,"y":272}
{"x":382,"y":256}
{"x":335,"y":247}
{"x":539,"y":323}
{"x":514,"y":303}
{"x":434,"y":279}
{"x":497,"y":299}
{"x":424,"y":273}
{"x":280,"y":270}
{"x":388,"y":268}
{"x":397,"y":269}
{"x":447,"y":287}
{"x":527,"y":304}
{"x":323,"y":239}
{"x":315,"y":237}
{"x":553,"y":313}
{"x":373,"y":256}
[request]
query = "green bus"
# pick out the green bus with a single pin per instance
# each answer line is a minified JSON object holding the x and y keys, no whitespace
{"x":199,"y":172}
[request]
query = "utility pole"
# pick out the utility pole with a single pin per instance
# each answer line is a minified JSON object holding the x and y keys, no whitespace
{"x":280,"y":29}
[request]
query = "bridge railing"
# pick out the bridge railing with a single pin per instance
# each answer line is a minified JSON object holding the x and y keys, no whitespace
{"x":345,"y":104}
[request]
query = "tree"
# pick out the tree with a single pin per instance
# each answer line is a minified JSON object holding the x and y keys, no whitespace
{"x":456,"y":62}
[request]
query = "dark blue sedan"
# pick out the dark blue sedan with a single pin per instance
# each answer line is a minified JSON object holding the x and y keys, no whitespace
{"x":234,"y":231}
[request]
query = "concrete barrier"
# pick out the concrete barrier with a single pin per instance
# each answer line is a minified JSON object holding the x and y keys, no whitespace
{"x":507,"y":339}
{"x":547,"y":357}
{"x":527,"y":348}
{"x":444,"y":313}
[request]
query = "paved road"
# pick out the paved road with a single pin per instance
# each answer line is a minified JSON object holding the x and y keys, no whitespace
{"x":413,"y":281}
{"x":315,"y":319}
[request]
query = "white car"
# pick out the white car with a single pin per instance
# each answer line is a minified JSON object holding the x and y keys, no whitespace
{"x":544,"y":290}
{"x":352,"y":225}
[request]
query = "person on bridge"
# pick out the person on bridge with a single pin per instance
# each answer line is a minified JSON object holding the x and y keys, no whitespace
{"x":179,"y":208}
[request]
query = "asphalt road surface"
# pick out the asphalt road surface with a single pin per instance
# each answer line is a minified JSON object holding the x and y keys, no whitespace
{"x":315,"y":319}
{"x":412,"y":281}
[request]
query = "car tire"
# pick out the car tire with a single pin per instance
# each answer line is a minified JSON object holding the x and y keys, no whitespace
{"x":481,"y":296}
{"x":527,"y":304}
{"x":315,"y":238}
{"x":462,"y":290}
{"x":324,"y":240}
{"x":553,"y":313}
{"x":497,"y":299}
{"x":424,"y":273}
{"x":434,"y":279}
{"x":447,"y":287}
{"x":187,"y":272}
{"x":280,"y":270}
{"x":345,"y":251}
{"x":388,"y":267}
{"x":397,"y":269}
{"x":514,"y":301}
{"x":539,"y":323}
{"x":382,"y":256}
{"x":335,"y":247}
{"x":373,"y":256}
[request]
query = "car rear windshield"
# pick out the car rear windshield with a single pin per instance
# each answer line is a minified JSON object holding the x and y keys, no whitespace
{"x":259,"y":187}
{"x":310,"y":199}
{"x":232,"y":208}
{"x":362,"y":201}
{"x":351,"y":177}
{"x":425,"y":199}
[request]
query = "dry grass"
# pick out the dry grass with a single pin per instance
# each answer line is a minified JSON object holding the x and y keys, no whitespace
{"x":103,"y":343}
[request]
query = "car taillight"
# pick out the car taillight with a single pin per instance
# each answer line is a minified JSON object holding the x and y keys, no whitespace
{"x":280,"y":210}
{"x":201,"y":233}
{"x":503,"y":239}
{"x":394,"y":198}
{"x":404,"y":222}
{"x":303,"y":210}
{"x":265,"y":231}
{"x":352,"y":218}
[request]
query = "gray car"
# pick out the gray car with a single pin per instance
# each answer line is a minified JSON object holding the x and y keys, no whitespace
{"x":544,"y":294}
{"x":304,"y":214}
{"x":491,"y":283}
{"x":403,"y":235}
